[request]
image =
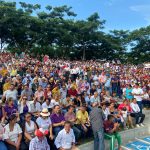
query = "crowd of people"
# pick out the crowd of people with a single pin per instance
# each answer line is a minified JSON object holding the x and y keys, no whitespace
{"x":52,"y":103}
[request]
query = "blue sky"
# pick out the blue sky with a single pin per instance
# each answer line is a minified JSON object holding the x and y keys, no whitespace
{"x":119,"y":14}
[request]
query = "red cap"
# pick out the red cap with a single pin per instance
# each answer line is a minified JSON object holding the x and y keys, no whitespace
{"x":40,"y":132}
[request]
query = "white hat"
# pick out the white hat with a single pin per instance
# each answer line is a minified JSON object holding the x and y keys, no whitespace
{"x":45,"y":112}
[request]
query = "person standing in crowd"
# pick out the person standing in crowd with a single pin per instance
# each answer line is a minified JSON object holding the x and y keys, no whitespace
{"x":65,"y":139}
{"x":96,"y":119}
{"x":128,"y":93}
{"x":137,"y":114}
{"x":111,"y":132}
{"x":107,"y":84}
{"x":137,"y":92}
{"x":39,"y":142}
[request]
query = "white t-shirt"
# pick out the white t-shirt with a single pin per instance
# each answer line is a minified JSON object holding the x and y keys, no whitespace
{"x":13,"y":94}
{"x":44,"y":123}
{"x":146,"y":96}
{"x":53,"y":102}
{"x":106,"y":113}
{"x":137,"y":91}
{"x":30,"y":128}
{"x":36,"y":107}
{"x":12,"y":135}
{"x":135,"y":107}
{"x":64,"y":139}
{"x":44,"y":105}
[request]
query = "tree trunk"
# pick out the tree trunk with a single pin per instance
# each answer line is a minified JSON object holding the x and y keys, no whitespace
{"x":83,"y":58}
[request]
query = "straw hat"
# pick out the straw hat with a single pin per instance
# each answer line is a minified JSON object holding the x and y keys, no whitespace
{"x":45,"y":112}
{"x":40,"y":132}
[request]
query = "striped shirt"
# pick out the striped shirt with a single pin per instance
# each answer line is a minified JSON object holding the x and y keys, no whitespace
{"x":36,"y":144}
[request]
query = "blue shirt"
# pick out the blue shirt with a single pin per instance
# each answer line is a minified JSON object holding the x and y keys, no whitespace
{"x":128,"y":93}
{"x":108,"y":82}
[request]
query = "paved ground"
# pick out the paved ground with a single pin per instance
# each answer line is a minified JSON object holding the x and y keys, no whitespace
{"x":139,"y":144}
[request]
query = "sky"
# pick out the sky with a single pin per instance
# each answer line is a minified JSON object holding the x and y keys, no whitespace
{"x":119,"y":14}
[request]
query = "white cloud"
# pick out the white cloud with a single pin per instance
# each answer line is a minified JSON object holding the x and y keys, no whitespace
{"x":111,"y":2}
{"x":144,"y":10}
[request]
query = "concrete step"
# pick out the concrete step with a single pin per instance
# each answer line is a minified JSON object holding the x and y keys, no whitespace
{"x":128,"y":136}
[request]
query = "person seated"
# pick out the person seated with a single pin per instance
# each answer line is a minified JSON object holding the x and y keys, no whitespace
{"x":11,"y":93}
{"x":47,"y":104}
{"x":2,"y":144}
{"x":7,"y":84}
{"x":57,"y":119}
{"x":39,"y":142}
{"x":146,"y":99}
{"x":47,"y":92}
{"x":23,"y":107}
{"x":65,"y":103}
{"x":113,"y":109}
{"x":63,"y":92}
{"x":118,"y":116}
{"x":111,"y":132}
{"x":27,"y":92}
{"x":95,"y":98}
{"x":56,"y":91}
{"x":2,"y":113}
{"x":65,"y":139}
{"x":107,"y":97}
{"x":10,"y":108}
{"x":43,"y":82}
{"x":44,"y":122}
{"x":137,"y":114}
{"x":55,"y":100}
{"x":114,"y":98}
{"x":29,"y":129}
{"x":13,"y":134}
{"x":105,"y":109}
{"x":70,"y":116}
{"x":73,"y":91}
{"x":126,"y":113}
{"x":35,"y":85}
{"x":39,"y":94}
{"x":35,"y":107}
{"x":82,"y":121}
